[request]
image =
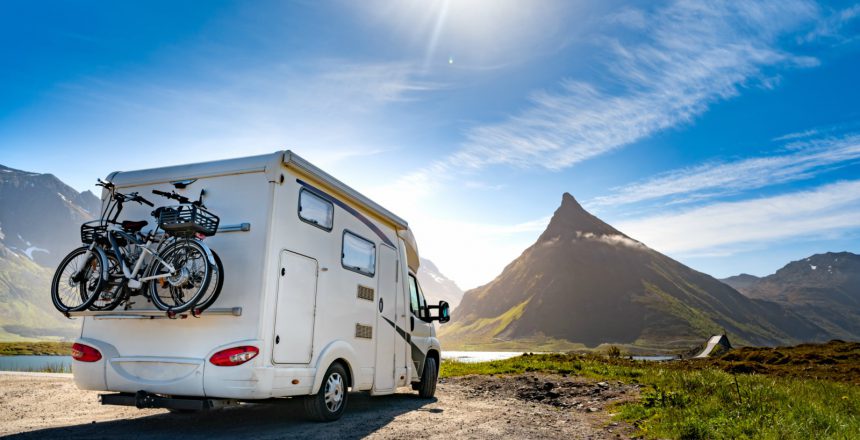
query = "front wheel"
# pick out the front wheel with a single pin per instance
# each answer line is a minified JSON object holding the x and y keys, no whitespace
{"x":427,"y":386}
{"x":329,"y":403}
{"x":79,"y":279}
{"x":181,"y":289}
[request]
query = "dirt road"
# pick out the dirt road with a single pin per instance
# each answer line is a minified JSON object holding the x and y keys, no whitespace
{"x":49,"y":406}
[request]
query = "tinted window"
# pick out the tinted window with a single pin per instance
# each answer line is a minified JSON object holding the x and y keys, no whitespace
{"x":316,"y":210}
{"x":422,"y":304}
{"x":413,"y":294}
{"x":358,"y":254}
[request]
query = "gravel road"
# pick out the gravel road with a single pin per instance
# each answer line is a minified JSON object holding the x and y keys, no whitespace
{"x":50,"y":406}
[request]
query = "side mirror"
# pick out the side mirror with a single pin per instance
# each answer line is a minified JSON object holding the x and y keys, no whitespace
{"x":444,"y":312}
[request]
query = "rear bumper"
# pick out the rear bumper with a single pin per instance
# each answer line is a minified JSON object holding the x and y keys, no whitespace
{"x":142,"y":399}
{"x":192,"y":377}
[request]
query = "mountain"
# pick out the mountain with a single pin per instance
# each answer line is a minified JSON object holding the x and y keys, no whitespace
{"x":824,"y":288}
{"x":40,"y":219}
{"x":437,"y":287}
{"x":26,"y":310}
{"x":741,"y":281}
{"x":584,"y":281}
{"x":40,"y":216}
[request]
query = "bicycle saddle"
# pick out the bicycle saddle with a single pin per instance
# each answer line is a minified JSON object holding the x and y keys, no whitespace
{"x":134,"y":226}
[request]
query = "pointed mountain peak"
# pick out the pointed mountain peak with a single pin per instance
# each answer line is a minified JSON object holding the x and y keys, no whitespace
{"x":571,"y":218}
{"x":567,"y":198}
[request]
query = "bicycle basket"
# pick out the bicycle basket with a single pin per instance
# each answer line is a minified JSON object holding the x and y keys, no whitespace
{"x":187,"y":220}
{"x":91,"y":230}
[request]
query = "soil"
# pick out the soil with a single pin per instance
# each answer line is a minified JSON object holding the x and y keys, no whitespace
{"x":519,"y":406}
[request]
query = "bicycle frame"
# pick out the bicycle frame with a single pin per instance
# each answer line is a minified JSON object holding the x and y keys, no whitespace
{"x":132,"y":274}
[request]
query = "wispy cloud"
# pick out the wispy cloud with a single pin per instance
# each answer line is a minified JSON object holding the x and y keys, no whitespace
{"x":796,"y":135}
{"x":325,"y":108}
{"x":723,"y":228}
{"x":683,"y":59}
{"x":723,"y":178}
{"x":831,"y":25}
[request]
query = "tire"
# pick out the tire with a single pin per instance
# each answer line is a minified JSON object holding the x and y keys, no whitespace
{"x":71,"y":295}
{"x":329,"y":403}
{"x":114,"y":291}
{"x":215,"y":285}
{"x":183,"y":290}
{"x":427,"y":386}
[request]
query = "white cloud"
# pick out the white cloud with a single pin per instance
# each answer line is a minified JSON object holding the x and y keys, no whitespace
{"x":611,"y":239}
{"x":472,"y":253}
{"x":722,"y":227}
{"x":831,"y":25}
{"x":688,"y":56}
{"x":713,"y":179}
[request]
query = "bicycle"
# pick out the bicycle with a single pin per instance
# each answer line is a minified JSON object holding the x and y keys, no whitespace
{"x":118,"y":261}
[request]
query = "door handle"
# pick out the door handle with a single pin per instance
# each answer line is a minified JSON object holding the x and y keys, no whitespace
{"x":412,"y":323}
{"x":277,"y":339}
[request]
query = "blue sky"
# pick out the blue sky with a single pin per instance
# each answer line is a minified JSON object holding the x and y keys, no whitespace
{"x":726,"y":135}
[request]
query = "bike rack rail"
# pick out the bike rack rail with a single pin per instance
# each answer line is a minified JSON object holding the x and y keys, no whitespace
{"x":154,"y":314}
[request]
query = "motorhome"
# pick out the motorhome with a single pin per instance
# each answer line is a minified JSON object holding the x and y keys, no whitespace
{"x":319,"y":298}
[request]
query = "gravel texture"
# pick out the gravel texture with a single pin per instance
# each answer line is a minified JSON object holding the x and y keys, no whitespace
{"x":523,"y":406}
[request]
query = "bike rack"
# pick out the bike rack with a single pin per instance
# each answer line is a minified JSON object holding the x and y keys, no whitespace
{"x":154,"y":314}
{"x":240,"y":227}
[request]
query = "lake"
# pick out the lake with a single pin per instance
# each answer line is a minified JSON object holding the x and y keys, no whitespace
{"x":479,"y":356}
{"x":35,"y":363}
{"x":40,"y":363}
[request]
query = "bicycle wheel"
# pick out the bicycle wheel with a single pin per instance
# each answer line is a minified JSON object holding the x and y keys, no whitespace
{"x":182,"y":289}
{"x":115,"y":289}
{"x":215,"y":285}
{"x":79,"y":280}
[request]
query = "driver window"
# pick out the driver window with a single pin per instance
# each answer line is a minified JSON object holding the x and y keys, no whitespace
{"x":413,"y":294}
{"x":422,"y":304}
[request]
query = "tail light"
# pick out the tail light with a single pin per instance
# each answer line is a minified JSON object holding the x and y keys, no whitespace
{"x":234,"y":356}
{"x":85,"y":353}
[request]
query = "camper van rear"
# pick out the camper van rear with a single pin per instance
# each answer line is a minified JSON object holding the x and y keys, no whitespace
{"x":319,"y":297}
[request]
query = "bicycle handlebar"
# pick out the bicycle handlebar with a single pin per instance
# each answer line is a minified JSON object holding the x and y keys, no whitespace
{"x":105,"y":184}
{"x":178,"y":197}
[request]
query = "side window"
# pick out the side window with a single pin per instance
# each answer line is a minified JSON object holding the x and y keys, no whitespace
{"x":422,"y":304}
{"x":315,"y":210}
{"x":358,"y":254}
{"x":413,"y":294}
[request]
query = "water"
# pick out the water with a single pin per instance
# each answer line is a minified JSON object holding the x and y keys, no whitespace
{"x":486,"y":356}
{"x":654,"y":358}
{"x":479,"y":356}
{"x":35,"y":363}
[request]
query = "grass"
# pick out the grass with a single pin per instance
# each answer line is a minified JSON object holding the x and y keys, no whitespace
{"x":708,"y":400}
{"x":53,"y":367}
{"x":35,"y":348}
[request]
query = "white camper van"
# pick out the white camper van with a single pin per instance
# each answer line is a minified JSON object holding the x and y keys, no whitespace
{"x":319,"y":297}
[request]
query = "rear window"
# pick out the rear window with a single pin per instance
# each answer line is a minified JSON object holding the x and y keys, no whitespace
{"x":358,"y":254}
{"x":315,"y":210}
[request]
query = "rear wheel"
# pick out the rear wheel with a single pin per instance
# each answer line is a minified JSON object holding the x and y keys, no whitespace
{"x":182,"y":289}
{"x":78,"y":280}
{"x":427,"y":386}
{"x":215,"y":285}
{"x":329,"y":403}
{"x":115,"y":290}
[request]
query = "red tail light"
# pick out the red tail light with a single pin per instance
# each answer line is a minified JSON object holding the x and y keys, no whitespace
{"x":234,"y":356}
{"x":85,"y":353}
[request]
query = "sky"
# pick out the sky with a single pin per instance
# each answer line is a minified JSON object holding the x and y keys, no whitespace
{"x":723,"y":134}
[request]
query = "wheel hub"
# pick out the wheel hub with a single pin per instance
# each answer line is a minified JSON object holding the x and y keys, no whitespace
{"x":180,"y":278}
{"x":334,"y":391}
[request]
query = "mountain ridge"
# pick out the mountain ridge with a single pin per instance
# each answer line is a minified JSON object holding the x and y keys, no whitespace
{"x":583,"y":281}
